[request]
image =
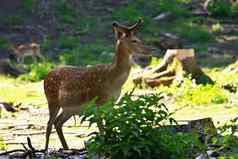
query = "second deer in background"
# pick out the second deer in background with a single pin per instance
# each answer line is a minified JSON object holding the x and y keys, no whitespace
{"x":24,"y":50}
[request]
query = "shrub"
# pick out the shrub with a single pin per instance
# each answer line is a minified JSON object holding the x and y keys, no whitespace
{"x":12,"y":20}
{"x":37,"y":71}
{"x":134,"y":128}
{"x":65,"y":12}
{"x":227,"y":140}
{"x":223,"y":8}
{"x":87,"y":54}
{"x":189,"y":93}
{"x":29,"y":5}
{"x":4,"y":44}
{"x":69,"y":42}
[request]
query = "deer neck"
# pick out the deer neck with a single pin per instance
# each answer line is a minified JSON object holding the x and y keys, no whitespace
{"x":122,"y":60}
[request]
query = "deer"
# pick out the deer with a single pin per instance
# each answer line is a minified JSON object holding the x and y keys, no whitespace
{"x":68,"y":88}
{"x":23,"y":50}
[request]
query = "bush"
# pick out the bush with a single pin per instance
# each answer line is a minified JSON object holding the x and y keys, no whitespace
{"x":134,"y":128}
{"x":13,"y":20}
{"x":87,"y":54}
{"x":69,"y":42}
{"x":29,"y":5}
{"x":223,"y":8}
{"x":37,"y":71}
{"x":189,"y":93}
{"x":4,"y":44}
{"x":65,"y":12}
{"x":227,"y":140}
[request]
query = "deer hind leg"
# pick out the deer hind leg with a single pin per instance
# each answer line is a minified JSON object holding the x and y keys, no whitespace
{"x":53,"y":114}
{"x":60,"y":120}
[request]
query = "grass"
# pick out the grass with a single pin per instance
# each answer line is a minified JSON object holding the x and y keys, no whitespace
{"x":16,"y":91}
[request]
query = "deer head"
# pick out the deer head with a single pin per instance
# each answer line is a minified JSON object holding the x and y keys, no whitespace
{"x":127,"y":37}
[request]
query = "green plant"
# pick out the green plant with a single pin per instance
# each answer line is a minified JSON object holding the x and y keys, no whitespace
{"x":4,"y":44}
{"x":135,"y":127}
{"x":3,"y":146}
{"x":65,"y":12}
{"x":37,"y":71}
{"x":87,"y":54}
{"x":227,"y":140}
{"x":189,"y":93}
{"x":29,"y":5}
{"x":216,"y":28}
{"x":194,"y":32}
{"x":13,"y":20}
{"x":47,"y":43}
{"x":69,"y":42}
{"x":223,"y":8}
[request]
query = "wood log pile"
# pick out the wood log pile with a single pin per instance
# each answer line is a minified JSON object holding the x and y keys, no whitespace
{"x":177,"y":63}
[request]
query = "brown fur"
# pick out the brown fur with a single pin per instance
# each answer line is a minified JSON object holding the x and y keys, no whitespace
{"x":70,"y":87}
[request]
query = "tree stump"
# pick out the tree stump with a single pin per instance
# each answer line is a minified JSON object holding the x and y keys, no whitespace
{"x":176,"y":64}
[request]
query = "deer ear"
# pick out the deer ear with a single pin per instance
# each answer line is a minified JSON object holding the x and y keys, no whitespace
{"x":135,"y":28}
{"x":119,"y":30}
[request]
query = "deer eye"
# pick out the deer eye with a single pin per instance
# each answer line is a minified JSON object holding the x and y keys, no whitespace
{"x":134,"y":41}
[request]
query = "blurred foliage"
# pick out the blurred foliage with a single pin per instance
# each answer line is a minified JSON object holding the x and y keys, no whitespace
{"x":87,"y":54}
{"x":65,"y":12}
{"x":227,"y":140}
{"x":133,"y":128}
{"x":29,"y":5}
{"x":3,"y":146}
{"x":13,"y":20}
{"x":37,"y":71}
{"x":223,"y":8}
{"x":4,"y":44}
{"x":190,"y":93}
{"x":69,"y":42}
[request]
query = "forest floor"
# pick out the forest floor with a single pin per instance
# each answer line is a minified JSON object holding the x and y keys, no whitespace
{"x":31,"y":119}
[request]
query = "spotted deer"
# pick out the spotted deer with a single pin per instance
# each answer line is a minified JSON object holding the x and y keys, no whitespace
{"x":23,"y":50}
{"x":68,"y":88}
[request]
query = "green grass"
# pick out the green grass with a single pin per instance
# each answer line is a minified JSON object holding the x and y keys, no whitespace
{"x":16,"y":91}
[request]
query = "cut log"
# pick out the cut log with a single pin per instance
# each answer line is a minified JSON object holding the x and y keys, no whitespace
{"x":175,"y":65}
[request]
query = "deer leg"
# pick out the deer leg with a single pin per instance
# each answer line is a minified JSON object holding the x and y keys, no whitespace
{"x":60,"y":120}
{"x":53,"y":113}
